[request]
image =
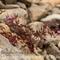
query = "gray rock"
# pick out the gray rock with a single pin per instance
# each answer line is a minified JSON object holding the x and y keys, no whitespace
{"x":22,"y":5}
{"x":46,"y":6}
{"x":54,"y":18}
{"x":50,"y":57}
{"x":2,"y":6}
{"x":55,"y":11}
{"x":52,"y":49}
{"x":56,"y":40}
{"x":36,"y":26}
{"x":36,"y":12}
{"x":22,"y":15}
{"x":51,"y":17}
{"x":10,"y":1}
{"x":29,"y":2}
{"x":9,"y":52}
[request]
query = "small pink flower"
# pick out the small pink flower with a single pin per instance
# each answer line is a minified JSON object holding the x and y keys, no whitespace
{"x":9,"y":17}
{"x":58,"y":31}
{"x":57,"y":23}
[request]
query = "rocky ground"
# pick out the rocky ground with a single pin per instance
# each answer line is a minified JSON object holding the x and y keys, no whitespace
{"x":29,"y":30}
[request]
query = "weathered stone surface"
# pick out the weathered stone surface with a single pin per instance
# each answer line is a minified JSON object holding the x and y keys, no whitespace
{"x":11,"y":6}
{"x":51,"y":20}
{"x":55,"y":11}
{"x":33,"y":1}
{"x":36,"y":26}
{"x":52,"y":49}
{"x":36,"y":12}
{"x":46,"y":6}
{"x":51,"y":17}
{"x":10,"y":1}
{"x":9,"y":52}
{"x":22,"y":5}
{"x":50,"y":57}
{"x":21,"y":13}
{"x":56,"y":40}
{"x":29,"y":2}
{"x":52,"y":3}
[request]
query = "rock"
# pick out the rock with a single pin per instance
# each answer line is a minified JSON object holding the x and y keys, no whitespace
{"x":52,"y":3}
{"x":5,"y":28}
{"x":46,"y":6}
{"x":21,"y":13}
{"x":10,"y":1}
{"x":50,"y":57}
{"x":9,"y":52}
{"x":8,"y":6}
{"x":52,"y":49}
{"x":29,"y":2}
{"x":59,"y":45}
{"x":33,"y":56}
{"x":33,"y":1}
{"x":1,"y":5}
{"x":36,"y":12}
{"x":36,"y":26}
{"x":56,"y":40}
{"x":37,"y":51}
{"x":37,"y":57}
{"x":22,"y":5}
{"x":45,"y":43}
{"x":49,"y":38}
{"x":18,"y":52}
{"x":51,"y":17}
{"x":11,"y":6}
{"x":55,"y":11}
